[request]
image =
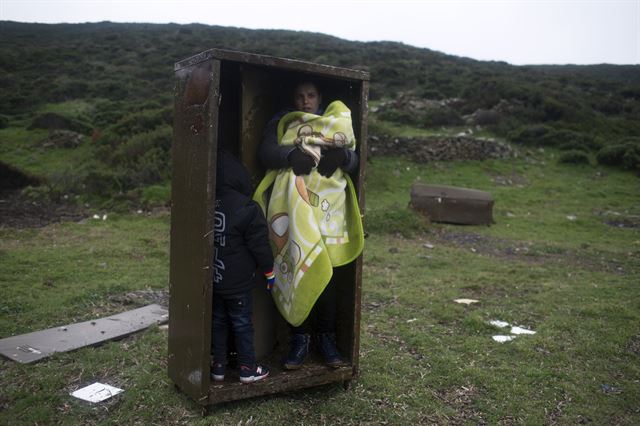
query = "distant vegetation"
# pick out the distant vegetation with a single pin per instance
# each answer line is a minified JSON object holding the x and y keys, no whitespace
{"x":113,"y":83}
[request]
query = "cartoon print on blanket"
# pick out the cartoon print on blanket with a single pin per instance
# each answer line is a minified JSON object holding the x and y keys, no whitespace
{"x":315,"y":222}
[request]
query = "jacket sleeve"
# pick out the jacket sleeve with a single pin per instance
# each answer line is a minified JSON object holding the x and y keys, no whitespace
{"x":256,"y":236}
{"x":272,"y":155}
{"x":351,"y":164}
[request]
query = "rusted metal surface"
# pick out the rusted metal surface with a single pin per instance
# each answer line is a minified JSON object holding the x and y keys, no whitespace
{"x":452,"y":204}
{"x":32,"y":347}
{"x":226,"y":98}
{"x":193,"y":193}
{"x":273,"y":63}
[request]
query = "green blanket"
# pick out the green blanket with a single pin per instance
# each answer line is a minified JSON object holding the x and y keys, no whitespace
{"x":314,"y":221}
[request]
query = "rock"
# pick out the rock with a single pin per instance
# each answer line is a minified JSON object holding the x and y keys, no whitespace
{"x":63,"y":139}
{"x":440,"y":148}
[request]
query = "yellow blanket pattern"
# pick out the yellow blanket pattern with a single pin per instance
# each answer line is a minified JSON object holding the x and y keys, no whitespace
{"x":314,"y":221}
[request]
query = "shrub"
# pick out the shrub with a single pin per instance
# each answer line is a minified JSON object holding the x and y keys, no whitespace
{"x":625,"y":154}
{"x":398,"y":116}
{"x":530,"y":135}
{"x":54,"y":121}
{"x":156,"y":195}
{"x":4,"y":121}
{"x":574,"y":157}
{"x":442,"y":117}
{"x":565,"y":137}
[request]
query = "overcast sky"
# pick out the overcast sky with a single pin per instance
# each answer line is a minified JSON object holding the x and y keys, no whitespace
{"x":515,"y":31}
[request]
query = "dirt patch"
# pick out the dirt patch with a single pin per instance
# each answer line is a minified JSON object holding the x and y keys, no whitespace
{"x":462,"y":400}
{"x":634,"y":345}
{"x":533,"y":252}
{"x":19,"y":211}
{"x":142,"y":297}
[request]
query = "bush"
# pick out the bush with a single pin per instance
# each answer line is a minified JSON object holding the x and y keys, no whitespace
{"x":156,"y":195}
{"x":4,"y":121}
{"x":530,"y":135}
{"x":54,"y":121}
{"x":398,"y":116}
{"x":574,"y":157}
{"x":564,"y":137}
{"x":442,"y":117}
{"x":541,"y":135}
{"x":625,"y":154}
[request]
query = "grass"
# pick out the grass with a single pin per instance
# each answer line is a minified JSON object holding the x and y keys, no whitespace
{"x":424,"y":359}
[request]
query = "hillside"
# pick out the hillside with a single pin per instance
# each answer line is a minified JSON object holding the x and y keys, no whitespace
{"x":114,"y":82}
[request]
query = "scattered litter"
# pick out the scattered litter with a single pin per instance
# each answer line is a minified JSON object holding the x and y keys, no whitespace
{"x":502,"y":339}
{"x":96,"y":392}
{"x":509,"y":214}
{"x":515,"y":331}
{"x":572,"y":217}
{"x":466,"y":301}
{"x":95,"y":216}
{"x":473,"y":250}
{"x":104,"y":217}
{"x":520,"y":330}
{"x":610,"y":389}
{"x":412,"y":320}
{"x":428,"y":245}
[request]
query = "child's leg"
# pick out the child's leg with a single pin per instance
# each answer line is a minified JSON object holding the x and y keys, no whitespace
{"x":220,"y":327}
{"x":240,"y":309}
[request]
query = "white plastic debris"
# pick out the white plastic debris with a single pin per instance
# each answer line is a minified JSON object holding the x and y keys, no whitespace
{"x":412,"y":320}
{"x":104,"y":217}
{"x":466,"y":301}
{"x":498,"y":323}
{"x":572,"y":217}
{"x":96,"y":392}
{"x":502,"y":338}
{"x":95,"y":216}
{"x":520,"y":330}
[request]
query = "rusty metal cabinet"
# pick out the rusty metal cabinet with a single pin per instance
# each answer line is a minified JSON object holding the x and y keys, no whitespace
{"x":225,"y":98}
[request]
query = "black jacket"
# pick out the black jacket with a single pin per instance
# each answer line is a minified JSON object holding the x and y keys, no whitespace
{"x":241,"y":234}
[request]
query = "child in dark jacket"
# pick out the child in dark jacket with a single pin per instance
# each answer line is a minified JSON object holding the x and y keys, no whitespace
{"x":241,"y":245}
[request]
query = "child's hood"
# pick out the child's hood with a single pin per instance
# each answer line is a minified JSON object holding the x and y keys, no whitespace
{"x":231,"y":174}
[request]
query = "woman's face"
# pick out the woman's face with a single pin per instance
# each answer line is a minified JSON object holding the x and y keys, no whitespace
{"x":306,"y":98}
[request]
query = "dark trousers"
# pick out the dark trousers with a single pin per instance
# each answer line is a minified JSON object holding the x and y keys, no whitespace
{"x":233,"y":311}
{"x":322,"y":318}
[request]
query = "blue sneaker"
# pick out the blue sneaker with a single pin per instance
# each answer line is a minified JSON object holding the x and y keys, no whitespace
{"x":250,"y":375}
{"x":327,"y":343}
{"x":217,"y":372}
{"x":298,"y":352}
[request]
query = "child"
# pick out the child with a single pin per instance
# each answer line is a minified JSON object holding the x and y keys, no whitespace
{"x":241,"y":244}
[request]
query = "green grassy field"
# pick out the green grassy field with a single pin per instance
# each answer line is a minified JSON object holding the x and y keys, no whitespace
{"x":563,"y":259}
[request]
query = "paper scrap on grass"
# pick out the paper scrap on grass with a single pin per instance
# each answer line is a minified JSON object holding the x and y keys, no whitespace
{"x":96,"y":392}
{"x":499,"y":323}
{"x":520,"y":330}
{"x":502,"y":339}
{"x":466,"y":301}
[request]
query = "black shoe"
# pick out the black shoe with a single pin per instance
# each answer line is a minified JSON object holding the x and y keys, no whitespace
{"x":298,"y":352}
{"x":250,"y":375}
{"x":327,"y":343}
